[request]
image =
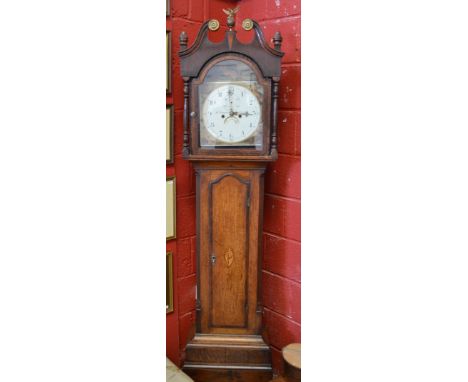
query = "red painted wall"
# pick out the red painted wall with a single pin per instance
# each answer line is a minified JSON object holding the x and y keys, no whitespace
{"x":282,"y":226}
{"x":188,"y":16}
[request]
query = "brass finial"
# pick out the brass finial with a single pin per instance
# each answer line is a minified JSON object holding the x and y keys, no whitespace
{"x":230,"y":19}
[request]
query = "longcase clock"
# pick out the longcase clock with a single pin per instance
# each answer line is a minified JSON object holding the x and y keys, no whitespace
{"x":230,"y":135}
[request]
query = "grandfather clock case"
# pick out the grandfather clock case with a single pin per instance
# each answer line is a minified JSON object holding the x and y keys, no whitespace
{"x":230,"y":135}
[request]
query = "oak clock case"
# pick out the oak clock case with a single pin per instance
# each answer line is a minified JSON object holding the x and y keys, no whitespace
{"x":230,"y":123}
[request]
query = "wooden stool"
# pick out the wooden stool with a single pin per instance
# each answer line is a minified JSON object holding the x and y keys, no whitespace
{"x":292,"y":362}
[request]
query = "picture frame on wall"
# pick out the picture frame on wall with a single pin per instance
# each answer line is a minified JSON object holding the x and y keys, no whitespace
{"x":169,"y":283}
{"x":170,"y":208}
{"x":168,"y":61}
{"x":169,"y":134}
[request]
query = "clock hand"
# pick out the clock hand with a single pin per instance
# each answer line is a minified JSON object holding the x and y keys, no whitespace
{"x":245,"y":113}
{"x":231,"y":112}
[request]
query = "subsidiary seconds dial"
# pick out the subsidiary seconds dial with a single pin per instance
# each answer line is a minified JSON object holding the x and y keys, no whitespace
{"x":231,"y":113}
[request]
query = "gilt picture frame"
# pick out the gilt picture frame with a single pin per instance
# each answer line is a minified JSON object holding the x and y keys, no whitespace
{"x":169,"y":283}
{"x":169,"y":134}
{"x":170,"y":208}
{"x":168,"y":62}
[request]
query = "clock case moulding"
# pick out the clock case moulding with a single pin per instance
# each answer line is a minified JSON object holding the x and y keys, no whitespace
{"x":198,"y":59}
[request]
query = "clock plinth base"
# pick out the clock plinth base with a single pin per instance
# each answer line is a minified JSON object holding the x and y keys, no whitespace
{"x":228,"y":358}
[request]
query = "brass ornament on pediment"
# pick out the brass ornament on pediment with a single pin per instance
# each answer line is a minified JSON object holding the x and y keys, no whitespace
{"x":213,"y":25}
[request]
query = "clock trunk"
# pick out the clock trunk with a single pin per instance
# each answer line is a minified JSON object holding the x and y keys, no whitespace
{"x":229,"y":200}
{"x":229,"y":311}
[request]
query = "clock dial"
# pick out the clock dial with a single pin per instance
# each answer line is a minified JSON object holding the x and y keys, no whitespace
{"x":231,"y":113}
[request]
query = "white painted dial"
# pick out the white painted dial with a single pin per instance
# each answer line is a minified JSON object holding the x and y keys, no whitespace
{"x":231,"y":113}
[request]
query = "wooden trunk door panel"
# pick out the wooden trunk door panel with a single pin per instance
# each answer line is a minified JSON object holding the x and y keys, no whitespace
{"x":228,"y":210}
{"x":229,"y":204}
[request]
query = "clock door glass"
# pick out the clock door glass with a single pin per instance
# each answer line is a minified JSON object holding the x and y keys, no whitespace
{"x":230,"y":102}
